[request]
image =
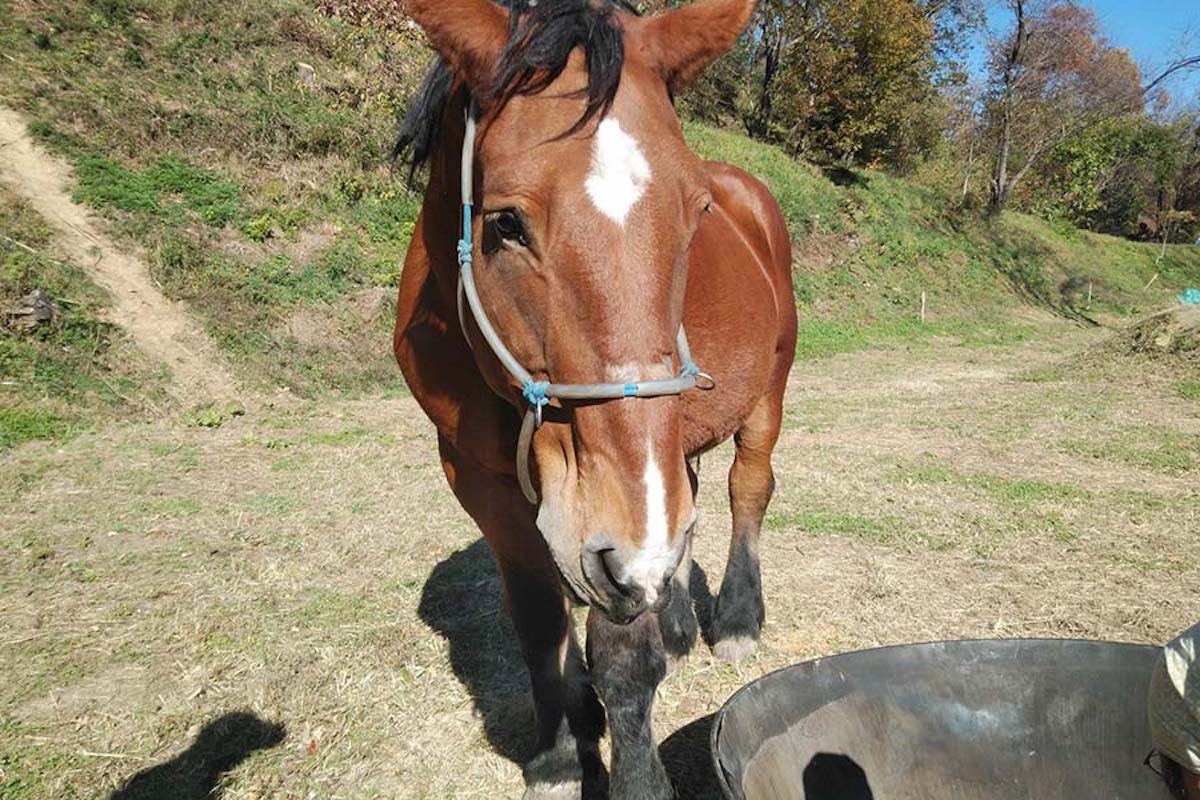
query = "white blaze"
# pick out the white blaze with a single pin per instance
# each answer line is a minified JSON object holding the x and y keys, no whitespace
{"x":655,"y":558}
{"x":620,"y":172}
{"x":656,"y":506}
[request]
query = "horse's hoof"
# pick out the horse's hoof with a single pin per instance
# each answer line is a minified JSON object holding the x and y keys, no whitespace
{"x":567,"y":790}
{"x":735,"y":649}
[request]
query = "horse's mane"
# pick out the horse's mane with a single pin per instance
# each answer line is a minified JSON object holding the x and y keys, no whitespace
{"x":541,"y":37}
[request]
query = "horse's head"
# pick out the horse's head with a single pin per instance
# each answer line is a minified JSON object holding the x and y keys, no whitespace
{"x":588,"y":199}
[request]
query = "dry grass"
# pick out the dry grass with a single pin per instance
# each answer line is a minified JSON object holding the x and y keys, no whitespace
{"x":306,"y":564}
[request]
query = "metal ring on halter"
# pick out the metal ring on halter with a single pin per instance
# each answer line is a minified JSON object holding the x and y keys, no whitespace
{"x":538,"y":393}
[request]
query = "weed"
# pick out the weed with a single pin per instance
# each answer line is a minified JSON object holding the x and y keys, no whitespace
{"x":19,"y":425}
{"x":213,"y":415}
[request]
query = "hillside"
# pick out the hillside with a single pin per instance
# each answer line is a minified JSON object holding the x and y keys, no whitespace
{"x":245,"y":148}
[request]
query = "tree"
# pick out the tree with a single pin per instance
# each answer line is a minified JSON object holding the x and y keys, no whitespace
{"x":1051,"y":75}
{"x":851,"y":80}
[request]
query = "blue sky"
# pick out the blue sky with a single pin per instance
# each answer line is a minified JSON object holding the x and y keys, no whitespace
{"x":1156,"y":32}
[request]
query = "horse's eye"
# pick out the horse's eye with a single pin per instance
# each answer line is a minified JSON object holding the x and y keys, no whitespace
{"x":508,"y":227}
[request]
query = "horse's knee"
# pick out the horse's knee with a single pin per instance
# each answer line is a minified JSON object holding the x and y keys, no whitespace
{"x":627,"y":661}
{"x":627,"y":664}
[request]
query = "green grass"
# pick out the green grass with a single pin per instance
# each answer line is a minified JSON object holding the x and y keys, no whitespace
{"x":165,"y":189}
{"x":882,"y":242}
{"x":263,"y":202}
{"x":1043,"y":375}
{"x":328,"y":608}
{"x":1188,"y":390}
{"x":811,"y":203}
{"x":27,"y":766}
{"x":887,"y":530}
{"x":1012,"y":492}
{"x":1152,"y":447}
{"x":60,"y":376}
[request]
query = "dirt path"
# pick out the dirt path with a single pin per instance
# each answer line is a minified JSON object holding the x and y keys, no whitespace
{"x":161,"y":327}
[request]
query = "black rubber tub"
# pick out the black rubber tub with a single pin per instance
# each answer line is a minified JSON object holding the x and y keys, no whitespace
{"x":976,"y":720}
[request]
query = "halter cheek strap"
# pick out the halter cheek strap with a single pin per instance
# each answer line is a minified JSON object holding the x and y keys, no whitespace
{"x":538,"y":393}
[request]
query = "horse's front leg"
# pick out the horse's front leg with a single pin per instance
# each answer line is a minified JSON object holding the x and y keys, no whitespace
{"x":566,"y":761}
{"x":627,"y":664}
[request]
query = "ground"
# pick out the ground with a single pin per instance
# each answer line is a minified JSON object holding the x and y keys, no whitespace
{"x":305,"y":564}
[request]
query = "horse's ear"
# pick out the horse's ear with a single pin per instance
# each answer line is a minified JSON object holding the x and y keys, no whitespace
{"x":470,"y":34}
{"x":685,"y":40}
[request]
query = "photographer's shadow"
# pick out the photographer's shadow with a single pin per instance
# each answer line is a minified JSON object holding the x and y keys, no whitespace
{"x":194,"y":774}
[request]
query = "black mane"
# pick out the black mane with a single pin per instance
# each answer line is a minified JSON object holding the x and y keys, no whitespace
{"x":541,"y":37}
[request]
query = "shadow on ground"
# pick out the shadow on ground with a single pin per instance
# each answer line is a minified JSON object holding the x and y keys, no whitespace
{"x":685,"y":754}
{"x":194,"y":774}
{"x":462,"y":602}
{"x":703,"y":602}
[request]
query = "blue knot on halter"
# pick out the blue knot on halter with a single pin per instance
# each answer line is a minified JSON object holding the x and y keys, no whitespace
{"x":465,"y":256}
{"x":535,"y":393}
{"x":689,"y":370}
{"x":631,"y":390}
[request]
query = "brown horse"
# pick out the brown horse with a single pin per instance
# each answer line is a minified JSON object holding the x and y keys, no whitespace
{"x":598,"y":234}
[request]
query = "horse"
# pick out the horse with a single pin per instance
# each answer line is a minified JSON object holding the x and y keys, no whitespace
{"x":554,"y":333}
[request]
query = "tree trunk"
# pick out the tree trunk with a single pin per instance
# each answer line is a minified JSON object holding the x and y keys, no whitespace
{"x":1001,"y":187}
{"x":759,"y":124}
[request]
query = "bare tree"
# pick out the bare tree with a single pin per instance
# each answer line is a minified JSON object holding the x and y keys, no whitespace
{"x":1182,"y":65}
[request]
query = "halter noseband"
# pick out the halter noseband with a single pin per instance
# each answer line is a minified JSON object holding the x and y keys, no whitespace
{"x":538,"y":393}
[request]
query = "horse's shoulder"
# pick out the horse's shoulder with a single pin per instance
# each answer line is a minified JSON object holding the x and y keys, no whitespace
{"x":732,"y":183}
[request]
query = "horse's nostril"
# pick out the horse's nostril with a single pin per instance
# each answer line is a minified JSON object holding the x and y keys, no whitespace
{"x":603,"y":569}
{"x":611,"y":571}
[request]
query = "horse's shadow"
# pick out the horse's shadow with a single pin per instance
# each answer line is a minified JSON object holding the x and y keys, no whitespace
{"x":462,"y":602}
{"x":195,"y":773}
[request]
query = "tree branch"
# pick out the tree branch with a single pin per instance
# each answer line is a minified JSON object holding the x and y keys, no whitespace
{"x":1191,"y":62}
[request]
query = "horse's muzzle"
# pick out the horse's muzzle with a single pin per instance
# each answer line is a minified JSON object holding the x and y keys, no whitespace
{"x":621,"y":599}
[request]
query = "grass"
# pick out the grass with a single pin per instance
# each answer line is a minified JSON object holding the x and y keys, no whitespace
{"x":269,"y":205}
{"x":811,"y":203}
{"x":77,"y":369}
{"x":818,"y":338}
{"x":213,"y":415}
{"x":1188,"y":390}
{"x":364,"y":614}
{"x":887,"y":530}
{"x":1012,"y":493}
{"x":870,"y":246}
{"x":1153,"y":447}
